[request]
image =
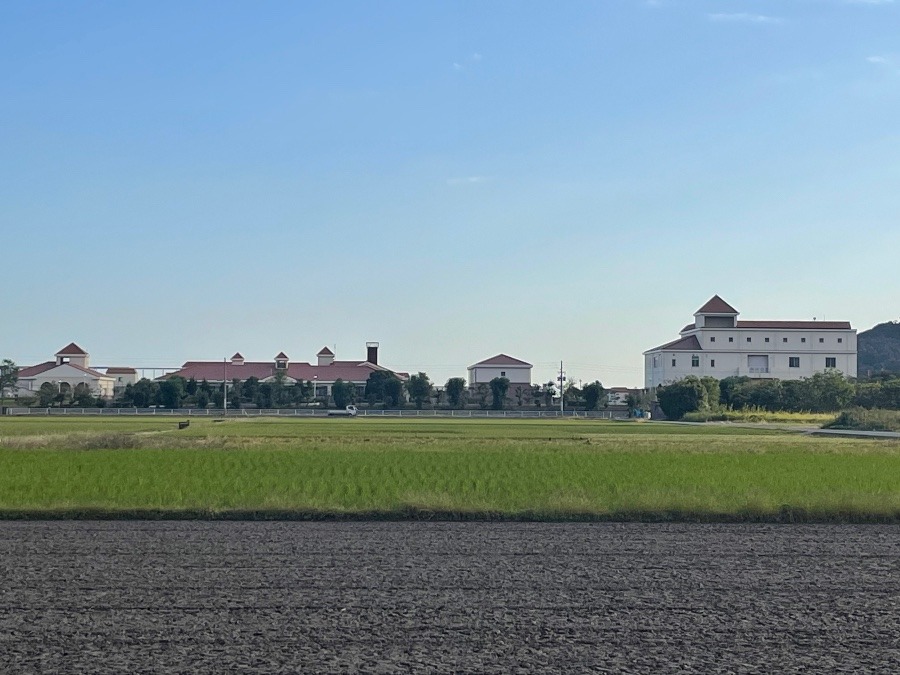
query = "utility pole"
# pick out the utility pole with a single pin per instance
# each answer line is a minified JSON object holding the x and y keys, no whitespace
{"x":562,"y":380}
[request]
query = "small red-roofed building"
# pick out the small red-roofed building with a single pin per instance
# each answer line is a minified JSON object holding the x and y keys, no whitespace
{"x":717,"y":344}
{"x":518,"y":372}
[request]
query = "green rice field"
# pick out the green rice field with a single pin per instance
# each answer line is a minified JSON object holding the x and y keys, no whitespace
{"x":555,"y":469}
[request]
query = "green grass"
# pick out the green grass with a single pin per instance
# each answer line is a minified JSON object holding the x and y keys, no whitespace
{"x":867,"y":420}
{"x":760,"y":415}
{"x":540,"y":469}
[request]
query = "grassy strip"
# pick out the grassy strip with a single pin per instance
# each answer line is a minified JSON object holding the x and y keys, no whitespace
{"x":861,"y":419}
{"x":759,"y":415}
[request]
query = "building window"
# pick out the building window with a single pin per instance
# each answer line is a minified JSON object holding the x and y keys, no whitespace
{"x":673,"y":363}
{"x":712,"y":363}
{"x":830,"y":362}
{"x":655,"y":362}
{"x":731,"y":339}
{"x":695,"y":361}
{"x":784,"y":339}
{"x":840,"y":340}
{"x":793,"y":362}
{"x":502,"y":373}
{"x":712,"y":339}
{"x":767,"y":339}
{"x":802,"y":339}
{"x":749,"y":339}
{"x":821,"y":340}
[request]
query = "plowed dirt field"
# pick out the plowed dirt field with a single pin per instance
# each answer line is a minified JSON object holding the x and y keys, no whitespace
{"x":131,"y":596}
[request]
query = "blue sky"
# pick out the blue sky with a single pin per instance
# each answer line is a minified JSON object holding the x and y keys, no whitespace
{"x":183,"y":180}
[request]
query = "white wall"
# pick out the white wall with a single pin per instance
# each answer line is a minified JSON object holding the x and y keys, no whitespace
{"x":515,"y":374}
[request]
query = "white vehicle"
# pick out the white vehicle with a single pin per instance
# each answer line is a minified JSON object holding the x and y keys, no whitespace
{"x":350,"y":411}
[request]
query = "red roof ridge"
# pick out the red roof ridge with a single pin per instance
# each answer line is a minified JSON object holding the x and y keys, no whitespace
{"x":71,"y":349}
{"x":716,"y":305}
{"x":501,"y":360}
{"x":685,"y":344}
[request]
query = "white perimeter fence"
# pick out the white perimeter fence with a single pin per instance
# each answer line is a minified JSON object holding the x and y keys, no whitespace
{"x":307,"y":412}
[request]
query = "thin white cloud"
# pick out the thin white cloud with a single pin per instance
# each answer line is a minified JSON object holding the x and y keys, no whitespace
{"x":869,"y":2}
{"x":457,"y":66}
{"x":881,"y":60}
{"x":468,"y":180}
{"x":744,"y":17}
{"x":476,"y":57}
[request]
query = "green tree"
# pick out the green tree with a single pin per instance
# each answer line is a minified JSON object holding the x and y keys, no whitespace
{"x":171,"y":391}
{"x":713,"y":392}
{"x":593,"y":394}
{"x":519,"y":394}
{"x":144,"y":393}
{"x":202,"y":400}
{"x":83,"y":397}
{"x":249,"y":389}
{"x":455,"y":389}
{"x":549,"y":393}
{"x":191,"y":386}
{"x":9,"y":375}
{"x":682,"y":397}
{"x":47,"y":394}
{"x":481,"y":393}
{"x":499,"y":386}
{"x":384,"y":387}
{"x":265,"y":396}
{"x":343,"y":393}
{"x":536,"y":397}
{"x":419,"y":388}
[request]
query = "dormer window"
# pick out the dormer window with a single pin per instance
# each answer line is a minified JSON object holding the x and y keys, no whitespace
{"x":281,"y":361}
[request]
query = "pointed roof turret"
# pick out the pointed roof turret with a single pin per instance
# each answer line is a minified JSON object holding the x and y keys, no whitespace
{"x":716,"y":305}
{"x":71,"y":349}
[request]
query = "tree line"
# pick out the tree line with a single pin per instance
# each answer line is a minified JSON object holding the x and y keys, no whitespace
{"x":382,"y":389}
{"x":823,"y":392}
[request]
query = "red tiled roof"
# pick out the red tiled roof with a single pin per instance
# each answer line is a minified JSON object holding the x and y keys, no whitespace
{"x":120,"y":371}
{"x":802,"y":325}
{"x":782,"y":325}
{"x":686,"y":344}
{"x":325,"y":352}
{"x":716,"y":305}
{"x":501,"y":360}
{"x":349,"y":371}
{"x":32,"y":371}
{"x":71,"y":349}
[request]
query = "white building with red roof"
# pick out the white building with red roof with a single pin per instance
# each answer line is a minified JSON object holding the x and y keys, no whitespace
{"x":70,"y":369}
{"x":518,"y":372}
{"x":323,"y":374}
{"x":719,"y":345}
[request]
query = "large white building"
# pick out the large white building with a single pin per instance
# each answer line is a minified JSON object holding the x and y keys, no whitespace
{"x":70,"y":370}
{"x":719,"y":345}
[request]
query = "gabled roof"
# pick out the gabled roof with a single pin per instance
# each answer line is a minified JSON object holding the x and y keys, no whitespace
{"x":71,"y":349}
{"x":281,"y":356}
{"x":33,"y":371}
{"x":348,"y":371}
{"x":120,"y":371}
{"x":501,"y":360}
{"x":686,"y":344}
{"x":325,"y":352}
{"x":237,"y":355}
{"x":716,"y":305}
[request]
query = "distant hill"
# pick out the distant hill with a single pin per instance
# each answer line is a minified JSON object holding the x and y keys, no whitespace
{"x":878,"y":349}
